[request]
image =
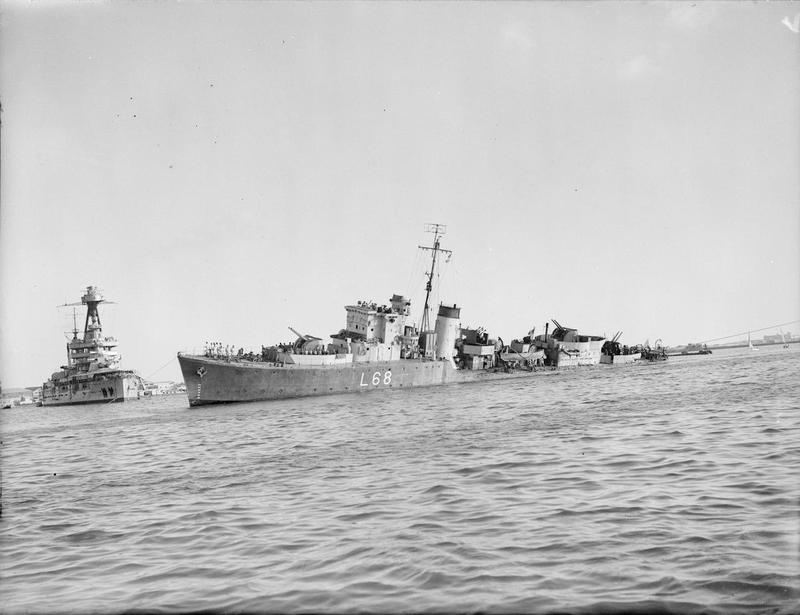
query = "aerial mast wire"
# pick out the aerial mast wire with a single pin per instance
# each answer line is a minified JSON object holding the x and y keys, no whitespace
{"x":737,"y":335}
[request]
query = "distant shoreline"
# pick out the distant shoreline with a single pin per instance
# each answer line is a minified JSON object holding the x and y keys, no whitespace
{"x":730,"y":346}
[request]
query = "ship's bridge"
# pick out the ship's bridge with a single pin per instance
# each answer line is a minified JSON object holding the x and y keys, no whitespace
{"x":368,"y":320}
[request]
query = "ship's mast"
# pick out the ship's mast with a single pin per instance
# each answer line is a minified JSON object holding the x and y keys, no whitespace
{"x":438,"y":230}
{"x":74,"y":334}
{"x":92,"y":299}
{"x":93,"y":348}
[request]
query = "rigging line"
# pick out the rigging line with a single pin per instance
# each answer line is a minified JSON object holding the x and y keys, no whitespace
{"x":456,"y":270}
{"x":415,"y":267}
{"x":441,"y":275}
{"x":783,"y":324}
{"x":415,"y":289}
{"x":160,"y":368}
{"x":438,"y":287}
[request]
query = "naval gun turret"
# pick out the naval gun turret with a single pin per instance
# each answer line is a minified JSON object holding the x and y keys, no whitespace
{"x":306,"y":344}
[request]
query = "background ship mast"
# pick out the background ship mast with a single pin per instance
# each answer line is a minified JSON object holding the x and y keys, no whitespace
{"x":74,"y":324}
{"x":92,"y":299}
{"x":438,"y":230}
{"x":92,"y":327}
{"x":74,"y":334}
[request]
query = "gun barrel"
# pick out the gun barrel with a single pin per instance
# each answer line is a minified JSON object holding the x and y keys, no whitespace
{"x":300,"y":335}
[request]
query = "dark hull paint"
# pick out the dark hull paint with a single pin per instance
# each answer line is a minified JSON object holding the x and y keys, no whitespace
{"x":227,"y":382}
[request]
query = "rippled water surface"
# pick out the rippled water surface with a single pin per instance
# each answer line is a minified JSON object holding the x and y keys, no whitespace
{"x":657,"y":487}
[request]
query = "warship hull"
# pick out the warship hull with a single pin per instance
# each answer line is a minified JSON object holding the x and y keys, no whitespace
{"x":117,"y":386}
{"x":217,"y":380}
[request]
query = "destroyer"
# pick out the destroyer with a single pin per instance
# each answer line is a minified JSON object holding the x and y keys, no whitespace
{"x":379,"y":348}
{"x":92,"y":373}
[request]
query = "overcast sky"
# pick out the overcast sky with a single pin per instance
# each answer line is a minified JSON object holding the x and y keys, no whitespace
{"x":226,"y":170}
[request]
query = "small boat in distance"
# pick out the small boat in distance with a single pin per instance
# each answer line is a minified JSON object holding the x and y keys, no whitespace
{"x":750,"y":343}
{"x":656,"y":353}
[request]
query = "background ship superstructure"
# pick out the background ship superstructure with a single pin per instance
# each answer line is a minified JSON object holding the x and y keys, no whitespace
{"x":92,"y":373}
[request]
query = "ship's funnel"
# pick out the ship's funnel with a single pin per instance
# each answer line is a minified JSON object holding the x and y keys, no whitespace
{"x":447,"y":330}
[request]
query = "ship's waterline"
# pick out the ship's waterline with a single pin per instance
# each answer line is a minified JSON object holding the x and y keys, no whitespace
{"x":212,"y":381}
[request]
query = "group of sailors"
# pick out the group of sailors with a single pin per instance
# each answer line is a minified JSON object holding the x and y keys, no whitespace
{"x":215,"y":350}
{"x":314,"y":350}
{"x":380,"y":309}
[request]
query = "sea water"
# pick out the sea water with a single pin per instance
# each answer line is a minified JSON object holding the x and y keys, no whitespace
{"x":664,"y":487}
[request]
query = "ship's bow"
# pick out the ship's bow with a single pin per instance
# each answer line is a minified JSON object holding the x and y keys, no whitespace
{"x":193,"y":370}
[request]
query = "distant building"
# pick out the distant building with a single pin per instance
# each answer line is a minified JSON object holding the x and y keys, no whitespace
{"x":20,"y":397}
{"x":163,"y":388}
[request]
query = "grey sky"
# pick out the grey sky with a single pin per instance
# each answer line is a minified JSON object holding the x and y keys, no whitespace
{"x":225,"y":170}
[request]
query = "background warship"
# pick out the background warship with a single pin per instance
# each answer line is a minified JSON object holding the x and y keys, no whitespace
{"x":92,"y":373}
{"x":378,"y":349}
